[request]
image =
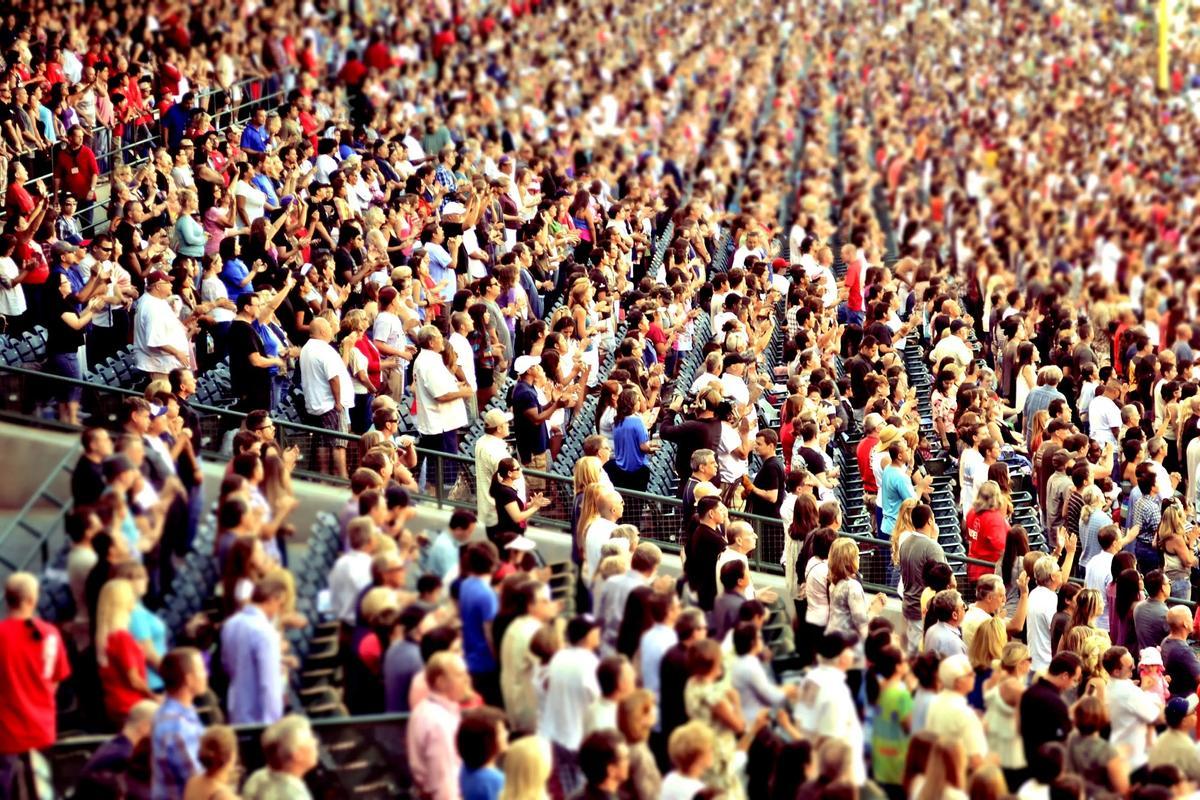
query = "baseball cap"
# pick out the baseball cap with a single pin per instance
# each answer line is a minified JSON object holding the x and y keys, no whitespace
{"x":494,"y":418}
{"x":525,"y":363}
{"x":156,"y":275}
{"x":453,"y":207}
{"x":953,"y":668}
{"x":779,"y":262}
{"x":1178,"y":708}
{"x":62,"y":248}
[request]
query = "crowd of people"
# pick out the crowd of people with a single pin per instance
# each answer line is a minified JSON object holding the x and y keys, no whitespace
{"x":481,"y":217}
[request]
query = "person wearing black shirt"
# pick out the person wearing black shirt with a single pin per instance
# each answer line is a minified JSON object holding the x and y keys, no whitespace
{"x":1044,"y":714}
{"x":765,"y":495}
{"x":814,"y":460}
{"x":858,"y":368}
{"x":690,"y":627}
{"x":122,"y":760}
{"x":249,"y":365}
{"x":704,"y":471}
{"x":705,"y":546}
{"x":87,"y":480}
{"x":512,"y":513}
{"x":701,"y":433}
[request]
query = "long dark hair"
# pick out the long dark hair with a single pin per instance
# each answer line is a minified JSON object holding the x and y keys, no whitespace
{"x":627,"y":403}
{"x":1016,"y":545}
{"x":1128,"y":588}
{"x":804,"y":518}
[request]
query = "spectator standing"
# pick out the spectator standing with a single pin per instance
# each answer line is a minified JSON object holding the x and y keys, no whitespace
{"x":490,"y":450}
{"x":251,"y":655}
{"x":177,"y":729}
{"x":160,"y":341}
{"x":1179,"y":660}
{"x":826,"y":707}
{"x":517,"y":660}
{"x":121,"y":660}
{"x":328,"y":389}
{"x":477,"y":606}
{"x":950,"y":717}
{"x":249,"y":365}
{"x":1043,"y":712}
{"x":432,"y":755}
{"x":530,"y":416}
{"x":76,"y":172}
{"x":1176,"y":745}
{"x":571,"y":686}
{"x":440,"y":397}
{"x":481,"y":739}
{"x":290,"y":748}
{"x":33,"y":662}
{"x":1134,"y":711}
{"x":118,"y":758}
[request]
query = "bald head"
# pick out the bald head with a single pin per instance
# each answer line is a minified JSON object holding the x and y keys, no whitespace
{"x":140,"y":720}
{"x":319,"y":329}
{"x":1179,"y":621}
{"x":611,"y":506}
{"x":20,"y":594}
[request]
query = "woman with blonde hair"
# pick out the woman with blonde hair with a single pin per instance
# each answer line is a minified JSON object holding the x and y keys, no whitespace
{"x":1092,"y":517}
{"x":636,"y":715}
{"x":1002,"y":697}
{"x":987,"y":529}
{"x":218,"y":758}
{"x":1177,"y":545}
{"x":1082,"y":637}
{"x":589,"y":512}
{"x":903,"y":528}
{"x":526,"y":769}
{"x":122,"y":662}
{"x":849,"y":612}
{"x":988,"y":783}
{"x":946,"y":772}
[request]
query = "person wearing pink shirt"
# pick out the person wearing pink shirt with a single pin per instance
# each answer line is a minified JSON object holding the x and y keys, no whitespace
{"x":432,"y":728}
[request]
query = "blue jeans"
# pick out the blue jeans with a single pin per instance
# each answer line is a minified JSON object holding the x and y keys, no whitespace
{"x":1181,"y":589}
{"x":848,"y":317}
{"x":66,"y":365}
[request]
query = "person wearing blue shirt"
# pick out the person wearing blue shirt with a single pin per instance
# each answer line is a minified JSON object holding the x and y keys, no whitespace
{"x":441,"y":263}
{"x":477,"y":607}
{"x":481,"y":739}
{"x":630,"y":465}
{"x":176,"y":730}
{"x":175,"y":120}
{"x":895,"y":486}
{"x":146,"y":627}
{"x":441,"y":558}
{"x":265,"y":185}
{"x":251,"y":655}
{"x":236,"y":276}
{"x":255,"y":137}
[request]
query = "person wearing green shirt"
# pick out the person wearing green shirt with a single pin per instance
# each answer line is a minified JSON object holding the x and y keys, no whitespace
{"x":893,"y":720}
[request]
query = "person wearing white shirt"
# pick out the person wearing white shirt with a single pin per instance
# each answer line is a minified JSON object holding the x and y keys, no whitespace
{"x":352,"y":571}
{"x":824,"y":706}
{"x":748,"y":675}
{"x":1104,"y":416}
{"x":1098,"y":572}
{"x":328,"y":388}
{"x":972,"y":470}
{"x":1043,"y":605}
{"x":160,"y":342}
{"x":1134,"y":712}
{"x":571,"y":686}
{"x":656,"y":641}
{"x":611,"y":506}
{"x":461,"y":325}
{"x":441,"y":407}
{"x":952,"y":345}
{"x":949,"y":714}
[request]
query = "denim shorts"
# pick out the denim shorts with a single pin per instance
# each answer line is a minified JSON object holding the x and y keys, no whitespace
{"x":66,"y":365}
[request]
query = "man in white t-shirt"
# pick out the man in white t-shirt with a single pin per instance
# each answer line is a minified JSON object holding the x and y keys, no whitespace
{"x":160,"y":342}
{"x":461,"y":325}
{"x":825,"y":706}
{"x":951,"y":717}
{"x":1043,"y":605}
{"x":328,"y":390}
{"x":441,"y":407}
{"x":390,"y":339}
{"x":1104,"y":415}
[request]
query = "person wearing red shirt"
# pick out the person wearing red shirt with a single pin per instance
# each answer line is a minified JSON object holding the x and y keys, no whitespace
{"x":76,"y":171}
{"x":353,"y":72}
{"x":33,"y":662}
{"x":121,"y":659}
{"x":987,"y":529}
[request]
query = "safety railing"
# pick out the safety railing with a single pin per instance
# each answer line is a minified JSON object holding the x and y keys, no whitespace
{"x":446,"y":480}
{"x":38,"y":552}
{"x":112,"y":157}
{"x":360,"y":756}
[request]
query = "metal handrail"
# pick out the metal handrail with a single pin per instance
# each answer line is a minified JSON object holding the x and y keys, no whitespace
{"x":34,"y":499}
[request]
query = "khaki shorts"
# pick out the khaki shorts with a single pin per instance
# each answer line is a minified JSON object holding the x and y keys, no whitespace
{"x":540,"y":462}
